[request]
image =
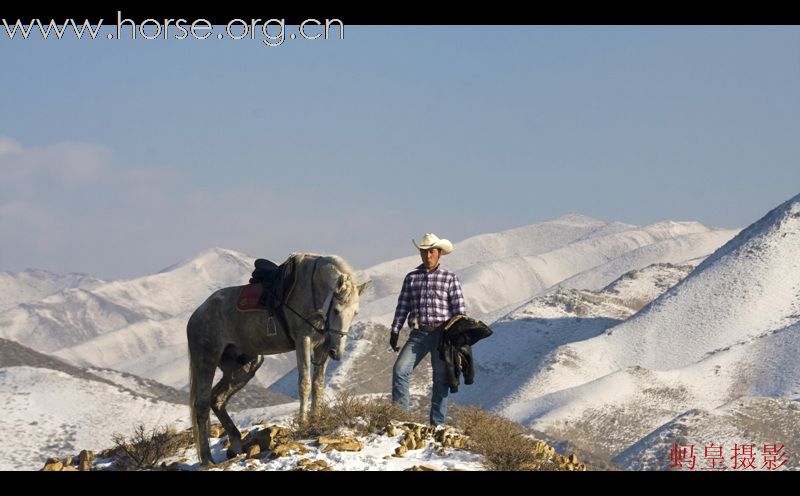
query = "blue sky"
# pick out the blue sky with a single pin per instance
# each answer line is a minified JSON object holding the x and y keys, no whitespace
{"x":119,"y":158}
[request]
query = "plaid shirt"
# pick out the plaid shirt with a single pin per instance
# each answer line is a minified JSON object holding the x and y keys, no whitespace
{"x":432,"y":297}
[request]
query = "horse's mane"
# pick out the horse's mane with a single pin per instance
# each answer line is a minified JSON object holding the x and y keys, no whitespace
{"x":350,"y":286}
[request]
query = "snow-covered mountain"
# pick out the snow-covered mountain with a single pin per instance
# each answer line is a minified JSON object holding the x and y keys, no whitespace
{"x":520,"y":342}
{"x":728,"y":332}
{"x":748,"y":421}
{"x":138,"y":325}
{"x":53,"y":407}
{"x":501,"y":271}
{"x":75,"y":316}
{"x":50,"y":406}
{"x":135,"y":325}
{"x":35,"y":284}
{"x":47,"y":411}
{"x":13,"y":354}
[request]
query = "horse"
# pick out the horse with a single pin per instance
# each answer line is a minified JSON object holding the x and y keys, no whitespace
{"x":322,"y":305}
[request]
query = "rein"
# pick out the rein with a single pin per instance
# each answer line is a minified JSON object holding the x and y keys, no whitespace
{"x":329,"y":299}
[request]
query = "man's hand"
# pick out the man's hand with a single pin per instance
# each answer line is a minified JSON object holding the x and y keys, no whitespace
{"x":393,"y":341}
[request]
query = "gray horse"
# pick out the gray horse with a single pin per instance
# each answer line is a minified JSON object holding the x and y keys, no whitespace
{"x":321,"y":307}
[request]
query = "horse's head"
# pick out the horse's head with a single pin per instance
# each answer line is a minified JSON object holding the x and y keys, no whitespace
{"x":341,"y":312}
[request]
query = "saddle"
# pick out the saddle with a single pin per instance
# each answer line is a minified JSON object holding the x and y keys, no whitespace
{"x":270,"y":286}
{"x":269,"y":289}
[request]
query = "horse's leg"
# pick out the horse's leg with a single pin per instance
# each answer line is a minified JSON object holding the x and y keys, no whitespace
{"x":318,"y":385}
{"x":303,"y":375}
{"x":233,"y":379}
{"x":201,"y":376}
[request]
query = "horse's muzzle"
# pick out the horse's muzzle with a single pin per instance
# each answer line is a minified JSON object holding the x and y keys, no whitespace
{"x":334,"y":354}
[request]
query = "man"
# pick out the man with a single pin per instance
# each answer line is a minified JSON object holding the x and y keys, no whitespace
{"x":430,"y":296}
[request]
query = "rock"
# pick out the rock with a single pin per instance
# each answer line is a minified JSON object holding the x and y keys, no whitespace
{"x":400,"y":450}
{"x":85,"y":459}
{"x":573,"y":459}
{"x":387,"y":457}
{"x":85,"y":456}
{"x":254,"y":451}
{"x":53,"y":465}
{"x":341,"y":444}
{"x":413,"y":442}
{"x":319,"y":466}
{"x":216,"y":430}
{"x":350,"y":445}
{"x":542,"y":450}
{"x":285,"y":449}
{"x":441,"y":452}
{"x":391,"y":431}
{"x":69,"y":468}
{"x":421,"y":468}
{"x":269,"y":438}
{"x":307,"y":465}
{"x":68,"y":460}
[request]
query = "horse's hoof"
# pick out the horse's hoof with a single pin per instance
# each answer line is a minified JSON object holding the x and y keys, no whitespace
{"x":232,"y":454}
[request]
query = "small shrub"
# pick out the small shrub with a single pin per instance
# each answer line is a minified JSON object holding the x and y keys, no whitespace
{"x":146,"y":449}
{"x":503,"y":443}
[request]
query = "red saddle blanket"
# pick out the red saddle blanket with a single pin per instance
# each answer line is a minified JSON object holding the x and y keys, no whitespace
{"x":249,"y":297}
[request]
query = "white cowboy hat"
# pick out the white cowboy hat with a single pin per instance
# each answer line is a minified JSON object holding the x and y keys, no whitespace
{"x":430,"y":240}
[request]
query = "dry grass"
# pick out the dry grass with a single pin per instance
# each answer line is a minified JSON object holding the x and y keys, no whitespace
{"x":503,"y":443}
{"x":146,"y":449}
{"x":357,"y":415}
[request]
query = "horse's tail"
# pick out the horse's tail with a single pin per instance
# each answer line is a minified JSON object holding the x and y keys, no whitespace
{"x":193,"y":389}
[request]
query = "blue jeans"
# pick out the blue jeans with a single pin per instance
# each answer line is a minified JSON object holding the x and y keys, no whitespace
{"x":419,"y":344}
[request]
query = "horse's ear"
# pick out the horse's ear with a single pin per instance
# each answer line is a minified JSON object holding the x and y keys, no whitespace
{"x":363,"y":287}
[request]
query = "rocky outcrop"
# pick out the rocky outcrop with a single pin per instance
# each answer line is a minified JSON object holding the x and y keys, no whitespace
{"x":418,"y":436}
{"x":339,"y":444}
{"x":306,"y":465}
{"x":70,"y":463}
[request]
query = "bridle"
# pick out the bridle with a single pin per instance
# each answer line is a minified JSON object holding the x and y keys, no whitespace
{"x":327,"y":314}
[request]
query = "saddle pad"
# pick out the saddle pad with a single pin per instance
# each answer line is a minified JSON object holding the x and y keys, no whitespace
{"x":249,"y":297}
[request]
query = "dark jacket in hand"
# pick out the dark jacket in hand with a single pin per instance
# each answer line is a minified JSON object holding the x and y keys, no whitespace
{"x":460,"y":333}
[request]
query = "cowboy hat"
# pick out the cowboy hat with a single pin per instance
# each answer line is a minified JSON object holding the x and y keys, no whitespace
{"x":430,"y":240}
